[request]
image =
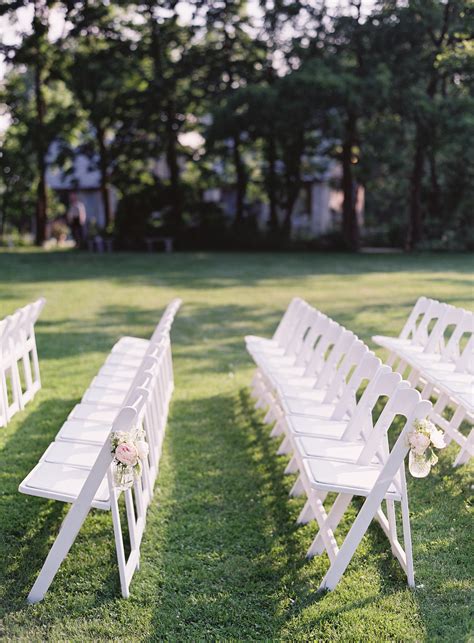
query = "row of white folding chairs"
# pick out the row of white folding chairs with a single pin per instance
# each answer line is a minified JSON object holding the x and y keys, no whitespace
{"x":19,"y":365}
{"x":430,"y":350}
{"x":76,"y":467}
{"x":322,"y":387}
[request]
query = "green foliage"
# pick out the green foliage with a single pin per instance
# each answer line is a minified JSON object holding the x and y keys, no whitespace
{"x":385,"y":90}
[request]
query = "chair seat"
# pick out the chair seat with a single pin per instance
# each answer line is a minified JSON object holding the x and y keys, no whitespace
{"x":392,"y":343}
{"x":123,"y":359}
{"x":62,"y":482}
{"x":298,"y":406}
{"x":273,"y":363}
{"x":85,"y":431}
{"x":290,"y":391}
{"x":114,"y":383}
{"x":72,"y":453}
{"x":104,"y":396}
{"x":256,"y":340}
{"x":263,"y":347}
{"x":93,"y":412}
{"x":344,"y":477}
{"x":449,"y":376}
{"x":314,"y":447}
{"x":127,"y":343}
{"x":118,"y":371}
{"x":290,"y":381}
{"x":308,"y":425}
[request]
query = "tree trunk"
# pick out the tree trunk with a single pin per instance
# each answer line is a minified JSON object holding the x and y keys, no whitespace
{"x":350,"y":226}
{"x":241,"y":182}
{"x":3,"y":215}
{"x":271,"y":183}
{"x":292,"y":188}
{"x":173,"y":167}
{"x":415,"y":224}
{"x":104,"y":175}
{"x":41,"y":194}
{"x":160,"y":90}
{"x":435,"y":190}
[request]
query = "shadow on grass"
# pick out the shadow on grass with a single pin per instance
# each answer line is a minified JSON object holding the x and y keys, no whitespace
{"x":214,"y":270}
{"x":30,"y":524}
{"x":232,"y":561}
{"x":26,"y":522}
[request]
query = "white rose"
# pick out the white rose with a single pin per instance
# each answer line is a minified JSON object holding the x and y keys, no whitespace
{"x":142,"y":449}
{"x":418,"y":442}
{"x":437,"y":437}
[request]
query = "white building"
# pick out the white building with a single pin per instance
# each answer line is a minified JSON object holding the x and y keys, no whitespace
{"x":83,"y":180}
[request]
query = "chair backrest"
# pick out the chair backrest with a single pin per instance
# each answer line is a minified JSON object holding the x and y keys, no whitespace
{"x":405,"y":402}
{"x":300,"y":329}
{"x":344,"y":370}
{"x":460,"y":340}
{"x":438,"y":341}
{"x":383,"y":384}
{"x":465,"y":363}
{"x":315,"y":324}
{"x":365,"y":371}
{"x":287,"y":321}
{"x":410,"y":328}
{"x":166,"y":321}
{"x":435,"y":310}
{"x":401,"y":401}
{"x":329,"y":334}
{"x":334,"y":359}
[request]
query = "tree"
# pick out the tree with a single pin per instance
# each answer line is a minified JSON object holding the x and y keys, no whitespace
{"x":36,"y":53}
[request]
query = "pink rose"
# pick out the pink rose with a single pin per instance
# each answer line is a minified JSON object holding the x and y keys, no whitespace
{"x":418,"y":442}
{"x":127,"y":454}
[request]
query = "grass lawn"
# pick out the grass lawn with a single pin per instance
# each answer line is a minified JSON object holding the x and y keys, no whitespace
{"x":221,"y":556}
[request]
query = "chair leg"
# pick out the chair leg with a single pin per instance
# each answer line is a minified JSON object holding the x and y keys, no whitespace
{"x":350,"y":544}
{"x":297,"y":489}
{"x":466,"y":451}
{"x":119,"y":548}
{"x":305,"y":515}
{"x":334,"y":517}
{"x":326,"y":533}
{"x":392,"y":522}
{"x":285,"y":447}
{"x":279,"y":428}
{"x":407,"y":544}
{"x":292,"y":466}
{"x":71,"y":526}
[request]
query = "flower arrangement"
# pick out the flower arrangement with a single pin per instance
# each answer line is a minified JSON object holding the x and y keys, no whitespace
{"x":129,"y":449}
{"x":421,"y":441}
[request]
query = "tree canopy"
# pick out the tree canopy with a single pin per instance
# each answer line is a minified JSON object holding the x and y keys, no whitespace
{"x":266,"y":90}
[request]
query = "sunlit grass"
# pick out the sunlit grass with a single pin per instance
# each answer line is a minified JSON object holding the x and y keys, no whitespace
{"x":221,"y":557}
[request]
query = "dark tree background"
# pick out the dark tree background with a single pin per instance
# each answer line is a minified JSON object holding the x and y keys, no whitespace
{"x":384,"y":88}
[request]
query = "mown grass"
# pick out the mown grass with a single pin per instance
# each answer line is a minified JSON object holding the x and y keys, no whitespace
{"x":221,"y":557}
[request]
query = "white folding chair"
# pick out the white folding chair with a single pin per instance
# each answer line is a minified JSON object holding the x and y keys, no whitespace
{"x":374,"y":481}
{"x":18,"y":355}
{"x":86,"y":489}
{"x":443,"y":369}
{"x":10,"y":376}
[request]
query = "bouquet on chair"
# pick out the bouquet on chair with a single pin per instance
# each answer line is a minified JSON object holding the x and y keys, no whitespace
{"x":422,"y":440}
{"x":129,"y":449}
